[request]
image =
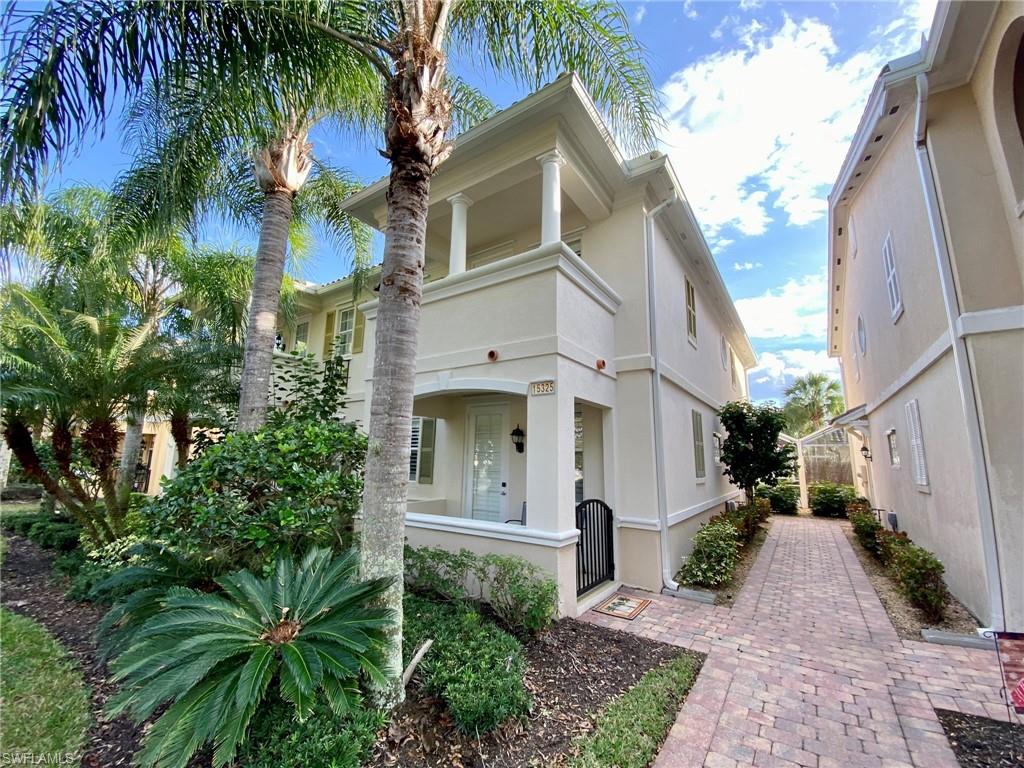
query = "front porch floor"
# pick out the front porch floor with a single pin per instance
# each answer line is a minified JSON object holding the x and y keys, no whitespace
{"x":805,"y":669}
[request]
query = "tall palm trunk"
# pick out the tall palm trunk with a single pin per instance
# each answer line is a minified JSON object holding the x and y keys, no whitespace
{"x":418,"y":118}
{"x":281,"y":169}
{"x":131,"y":447}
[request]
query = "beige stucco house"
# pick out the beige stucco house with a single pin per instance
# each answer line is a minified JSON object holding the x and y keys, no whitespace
{"x":926,"y":257}
{"x":576,"y":340}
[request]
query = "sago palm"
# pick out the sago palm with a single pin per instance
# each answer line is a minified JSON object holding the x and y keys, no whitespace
{"x":212,"y":657}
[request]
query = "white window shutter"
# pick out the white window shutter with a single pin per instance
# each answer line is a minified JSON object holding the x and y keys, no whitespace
{"x":700,"y":469}
{"x":916,"y":438}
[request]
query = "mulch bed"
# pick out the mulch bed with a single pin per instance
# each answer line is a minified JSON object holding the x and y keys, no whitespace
{"x":980,"y":742}
{"x":31,"y":590}
{"x":907,"y":619}
{"x":573,"y":672}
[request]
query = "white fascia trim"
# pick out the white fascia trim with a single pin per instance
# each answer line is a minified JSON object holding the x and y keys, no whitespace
{"x":935,"y":351}
{"x":505,"y":386}
{"x":685,"y":514}
{"x":683,"y":383}
{"x":641,"y":523}
{"x":503,"y":531}
{"x":990,"y":321}
{"x":548,"y":256}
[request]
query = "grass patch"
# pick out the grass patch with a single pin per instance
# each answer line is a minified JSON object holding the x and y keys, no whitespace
{"x":632,"y":728}
{"x":9,"y":510}
{"x":44,"y":701}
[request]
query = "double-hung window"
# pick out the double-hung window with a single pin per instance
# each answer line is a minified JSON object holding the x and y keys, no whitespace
{"x":421,"y":457}
{"x":345,"y":331}
{"x":894,"y":454}
{"x":916,"y":438}
{"x":301,"y":336}
{"x":892,"y":279}
{"x":700,"y":469}
{"x":691,"y":311}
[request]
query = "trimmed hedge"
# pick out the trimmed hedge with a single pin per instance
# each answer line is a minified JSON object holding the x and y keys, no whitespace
{"x":830,"y":499}
{"x":474,"y":666}
{"x":716,"y":549}
{"x":784,"y":499}
{"x":866,"y":528}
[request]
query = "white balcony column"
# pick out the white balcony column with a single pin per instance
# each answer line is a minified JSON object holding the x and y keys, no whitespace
{"x":551,"y":210}
{"x":457,"y":255}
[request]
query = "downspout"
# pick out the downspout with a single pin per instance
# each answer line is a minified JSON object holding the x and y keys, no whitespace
{"x":961,"y":360}
{"x":659,"y":438}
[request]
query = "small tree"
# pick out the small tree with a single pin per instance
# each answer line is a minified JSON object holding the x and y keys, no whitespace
{"x":752,"y":453}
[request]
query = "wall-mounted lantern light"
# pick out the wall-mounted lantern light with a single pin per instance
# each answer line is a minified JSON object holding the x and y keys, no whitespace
{"x":865,"y":452}
{"x":519,"y":439}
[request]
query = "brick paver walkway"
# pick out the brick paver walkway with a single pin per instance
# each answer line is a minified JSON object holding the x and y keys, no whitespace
{"x":806,"y":669}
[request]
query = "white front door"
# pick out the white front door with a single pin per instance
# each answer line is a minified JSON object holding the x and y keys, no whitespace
{"x":487,"y":463}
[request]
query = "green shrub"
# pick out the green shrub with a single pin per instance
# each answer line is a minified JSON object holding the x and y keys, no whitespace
{"x":866,"y":528}
{"x":207,"y":660}
{"x":439,"y":573}
{"x":830,"y":499}
{"x":745,"y":519}
{"x":763,"y":508}
{"x":889,"y":543}
{"x":784,"y":499}
{"x":291,"y":485}
{"x":919,"y":574}
{"x":278,"y":740}
{"x":521,"y":595}
{"x":715,"y":552}
{"x":58,"y":535}
{"x":475,"y":667}
{"x":629,"y":732}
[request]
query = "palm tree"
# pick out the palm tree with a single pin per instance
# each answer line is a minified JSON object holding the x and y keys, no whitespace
{"x":64,"y":68}
{"x":811,"y":400}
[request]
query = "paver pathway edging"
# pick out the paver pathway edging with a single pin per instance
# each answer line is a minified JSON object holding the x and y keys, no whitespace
{"x":805,"y":669}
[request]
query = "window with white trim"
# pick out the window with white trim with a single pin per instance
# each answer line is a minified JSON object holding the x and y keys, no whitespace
{"x":421,"y":457}
{"x":698,"y":445}
{"x":716,"y":447}
{"x":691,"y":310}
{"x":733,"y":371}
{"x":894,"y":453}
{"x":892,"y":279}
{"x":301,"y":336}
{"x":916,"y":438}
{"x":862,"y":336}
{"x":856,"y":356}
{"x":725,"y":354}
{"x":345,"y":331}
{"x":851,"y":245}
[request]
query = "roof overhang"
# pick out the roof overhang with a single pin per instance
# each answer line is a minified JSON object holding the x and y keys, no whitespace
{"x":947,"y":56}
{"x":854,"y":418}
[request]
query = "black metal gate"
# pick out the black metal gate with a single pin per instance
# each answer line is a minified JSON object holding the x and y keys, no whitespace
{"x":595,"y":559}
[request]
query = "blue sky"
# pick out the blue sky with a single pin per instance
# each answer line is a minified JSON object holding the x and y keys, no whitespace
{"x":761,"y":100}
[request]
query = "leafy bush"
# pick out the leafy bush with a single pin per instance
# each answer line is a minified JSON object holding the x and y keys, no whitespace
{"x":763,"y":509}
{"x":745,"y":519}
{"x":919,"y":574}
{"x":629,"y":732}
{"x":860,"y":505}
{"x":784,"y":499}
{"x":889,"y":543}
{"x":17,"y":491}
{"x":277,"y":740}
{"x":291,"y":485}
{"x":210,"y":658}
{"x":866,"y":528}
{"x":830,"y":499}
{"x":520,"y":594}
{"x":438,"y":572}
{"x":715,"y":552}
{"x":474,"y":667}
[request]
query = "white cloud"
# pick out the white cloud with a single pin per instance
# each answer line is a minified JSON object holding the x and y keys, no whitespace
{"x":638,"y":15}
{"x":763,"y":125}
{"x":747,"y":5}
{"x":797,"y":309}
{"x":781,"y":367}
{"x":746,"y":266}
{"x":688,"y":10}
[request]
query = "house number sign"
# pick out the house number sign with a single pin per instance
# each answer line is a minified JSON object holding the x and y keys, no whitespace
{"x":542,"y":388}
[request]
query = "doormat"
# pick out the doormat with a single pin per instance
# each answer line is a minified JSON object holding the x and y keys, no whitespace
{"x":623,"y":607}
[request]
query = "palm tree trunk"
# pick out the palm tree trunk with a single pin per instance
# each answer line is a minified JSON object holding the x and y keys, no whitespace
{"x":266,"y":293}
{"x":181,"y":432}
{"x":131,"y":447}
{"x":382,"y":537}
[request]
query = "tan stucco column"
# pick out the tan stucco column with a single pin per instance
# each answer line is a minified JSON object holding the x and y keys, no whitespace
{"x":457,"y":254}
{"x":551,"y":198}
{"x":550,"y":451}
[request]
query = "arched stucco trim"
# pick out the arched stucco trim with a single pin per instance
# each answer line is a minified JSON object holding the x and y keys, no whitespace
{"x":507,"y":386}
{"x":1006,"y":111}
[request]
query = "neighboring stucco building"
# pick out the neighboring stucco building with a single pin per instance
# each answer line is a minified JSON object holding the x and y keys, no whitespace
{"x":567,"y":309}
{"x":926,"y":258}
